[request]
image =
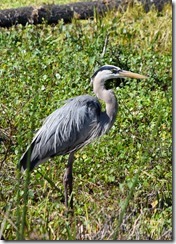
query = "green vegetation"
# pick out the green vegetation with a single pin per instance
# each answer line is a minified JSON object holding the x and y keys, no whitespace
{"x":123,"y":181}
{"x":4,"y":4}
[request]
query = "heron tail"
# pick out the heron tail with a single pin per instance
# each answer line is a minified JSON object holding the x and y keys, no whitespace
{"x":26,"y":162}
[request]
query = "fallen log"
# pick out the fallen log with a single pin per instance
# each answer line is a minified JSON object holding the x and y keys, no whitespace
{"x":52,"y":13}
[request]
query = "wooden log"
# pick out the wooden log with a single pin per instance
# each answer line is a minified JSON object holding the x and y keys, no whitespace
{"x":51,"y":13}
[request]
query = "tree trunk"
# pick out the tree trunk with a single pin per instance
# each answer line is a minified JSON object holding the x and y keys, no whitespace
{"x":51,"y":13}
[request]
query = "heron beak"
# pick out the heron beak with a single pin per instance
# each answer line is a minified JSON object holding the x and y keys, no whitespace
{"x":129,"y":74}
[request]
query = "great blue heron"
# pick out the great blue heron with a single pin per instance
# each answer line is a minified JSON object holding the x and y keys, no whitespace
{"x":76,"y":124}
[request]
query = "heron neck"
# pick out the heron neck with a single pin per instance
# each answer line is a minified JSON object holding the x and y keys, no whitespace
{"x":111,"y":103}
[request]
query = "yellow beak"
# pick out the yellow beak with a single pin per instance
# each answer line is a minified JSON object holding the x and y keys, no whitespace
{"x":130,"y":74}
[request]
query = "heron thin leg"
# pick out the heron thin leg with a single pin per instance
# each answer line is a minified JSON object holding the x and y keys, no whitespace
{"x":68,"y":181}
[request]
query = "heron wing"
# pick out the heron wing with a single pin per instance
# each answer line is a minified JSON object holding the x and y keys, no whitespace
{"x":65,"y":130}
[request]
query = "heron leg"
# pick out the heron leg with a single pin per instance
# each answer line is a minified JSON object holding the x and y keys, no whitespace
{"x":68,"y":182}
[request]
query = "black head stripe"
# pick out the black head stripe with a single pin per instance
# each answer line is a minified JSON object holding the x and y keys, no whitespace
{"x":105,"y":67}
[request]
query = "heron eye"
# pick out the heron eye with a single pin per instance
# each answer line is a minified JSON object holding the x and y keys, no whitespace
{"x":114,"y":71}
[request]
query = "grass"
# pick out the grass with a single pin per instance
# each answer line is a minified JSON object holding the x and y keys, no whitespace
{"x":123,"y":181}
{"x":5,"y":4}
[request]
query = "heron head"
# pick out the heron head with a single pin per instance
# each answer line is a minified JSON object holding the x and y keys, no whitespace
{"x":108,"y":72}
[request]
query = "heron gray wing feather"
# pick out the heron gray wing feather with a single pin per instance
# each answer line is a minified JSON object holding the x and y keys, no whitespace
{"x":67,"y":129}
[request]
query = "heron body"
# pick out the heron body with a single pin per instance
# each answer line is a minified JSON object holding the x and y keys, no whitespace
{"x":76,"y":124}
{"x":67,"y":129}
